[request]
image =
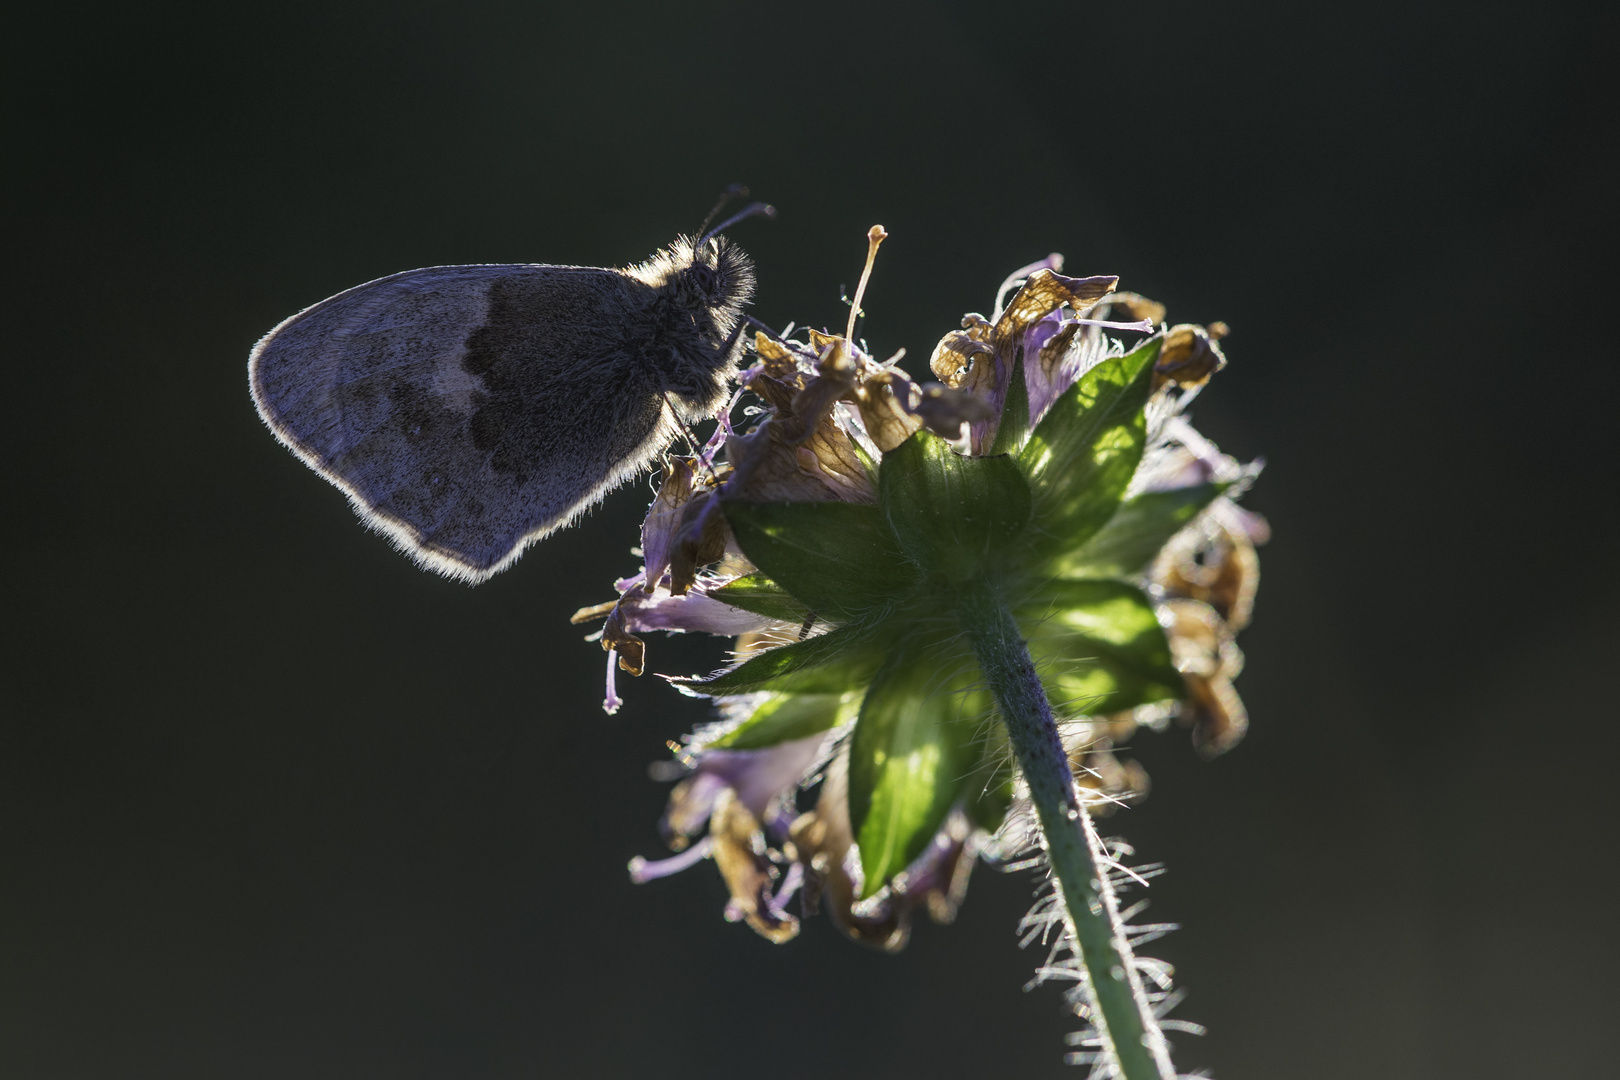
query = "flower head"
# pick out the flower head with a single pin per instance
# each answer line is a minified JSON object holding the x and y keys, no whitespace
{"x":1047,"y":461}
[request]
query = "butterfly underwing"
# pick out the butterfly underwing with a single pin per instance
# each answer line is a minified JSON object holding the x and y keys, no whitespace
{"x":468,"y":411}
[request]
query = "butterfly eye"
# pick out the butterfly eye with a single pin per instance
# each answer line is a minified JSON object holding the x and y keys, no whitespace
{"x":705,"y":278}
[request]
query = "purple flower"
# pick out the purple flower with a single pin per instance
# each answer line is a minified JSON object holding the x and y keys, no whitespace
{"x":1133,"y":570}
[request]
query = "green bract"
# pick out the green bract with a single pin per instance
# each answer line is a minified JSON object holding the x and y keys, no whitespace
{"x":1043,"y":523}
{"x":786,"y":717}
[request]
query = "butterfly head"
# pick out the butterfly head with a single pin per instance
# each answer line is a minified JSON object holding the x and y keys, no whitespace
{"x":717,"y":275}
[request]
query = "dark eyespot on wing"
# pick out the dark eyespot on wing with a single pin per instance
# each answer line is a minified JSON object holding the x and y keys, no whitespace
{"x":467,"y":410}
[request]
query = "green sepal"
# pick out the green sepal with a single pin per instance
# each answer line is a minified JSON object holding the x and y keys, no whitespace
{"x":1014,"y":426}
{"x":1099,"y":647}
{"x":762,"y":596}
{"x":844,"y":658}
{"x":911,"y":756}
{"x":952,"y":514}
{"x":786,"y":717}
{"x":1136,"y":533}
{"x":841,"y":559}
{"x":1081,"y":456}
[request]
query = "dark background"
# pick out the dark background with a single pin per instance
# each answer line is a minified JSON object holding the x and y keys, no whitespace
{"x":273,"y":803}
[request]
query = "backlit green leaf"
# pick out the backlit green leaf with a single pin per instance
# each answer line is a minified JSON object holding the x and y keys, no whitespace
{"x":911,"y":757}
{"x":1099,"y":647}
{"x":1082,"y":454}
{"x":840,"y":559}
{"x":952,"y":514}
{"x":762,"y":596}
{"x":1136,"y":532}
{"x":784,"y":717}
{"x":844,"y":658}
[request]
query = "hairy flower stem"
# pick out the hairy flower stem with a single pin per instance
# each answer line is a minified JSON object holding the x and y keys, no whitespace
{"x":1117,"y":999}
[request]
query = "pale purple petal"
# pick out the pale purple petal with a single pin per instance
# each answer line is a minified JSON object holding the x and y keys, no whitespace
{"x":1140,"y":326}
{"x":1172,"y":469}
{"x":758,"y":776}
{"x":695,"y":612}
{"x":982,"y":433}
{"x":611,"y":703}
{"x":645,"y":870}
{"x":1085,"y":350}
{"x":660,"y":531}
{"x":722,"y":430}
{"x":791,"y":881}
{"x":1040,"y":389}
{"x":1245,"y":521}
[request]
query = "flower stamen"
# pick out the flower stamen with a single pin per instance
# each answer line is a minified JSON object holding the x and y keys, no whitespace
{"x":874,"y":236}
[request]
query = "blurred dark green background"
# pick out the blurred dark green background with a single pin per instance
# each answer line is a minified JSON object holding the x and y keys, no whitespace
{"x":275,"y":804}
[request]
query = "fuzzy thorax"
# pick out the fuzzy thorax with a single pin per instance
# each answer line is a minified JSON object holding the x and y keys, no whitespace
{"x":700,"y":290}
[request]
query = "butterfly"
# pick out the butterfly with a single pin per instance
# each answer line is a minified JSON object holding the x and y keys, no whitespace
{"x":469,"y":411}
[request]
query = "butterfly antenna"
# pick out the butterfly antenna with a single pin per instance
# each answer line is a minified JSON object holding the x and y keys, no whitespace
{"x":769,"y":332}
{"x":757,"y":209}
{"x":735,"y":191}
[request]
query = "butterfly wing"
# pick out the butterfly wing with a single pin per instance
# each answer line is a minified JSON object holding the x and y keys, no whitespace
{"x":468,"y":411}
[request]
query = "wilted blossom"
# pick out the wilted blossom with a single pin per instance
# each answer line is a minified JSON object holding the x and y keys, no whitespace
{"x":858,"y":765}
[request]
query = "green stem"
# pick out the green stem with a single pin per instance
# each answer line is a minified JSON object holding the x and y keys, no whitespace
{"x":1114,"y":990}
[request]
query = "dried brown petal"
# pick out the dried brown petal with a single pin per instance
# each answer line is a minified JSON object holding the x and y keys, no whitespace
{"x":1131,"y":306}
{"x":821,"y":342}
{"x":632,"y":650}
{"x":592,"y":613}
{"x":778,"y":360}
{"x":830,"y":457}
{"x":1216,"y":713}
{"x":883,"y":400}
{"x":784,"y":461}
{"x":1215,"y":563}
{"x":1197,"y":636}
{"x":977,"y":362}
{"x":700,"y":539}
{"x":936,"y":880}
{"x":955,"y":354}
{"x":834,"y":380}
{"x":658,"y":531}
{"x":1188,"y":357}
{"x":1205,"y":651}
{"x":776,"y":393}
{"x":739,"y":853}
{"x":1043,"y":293}
{"x":822,"y":839}
{"x":691,"y":802}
